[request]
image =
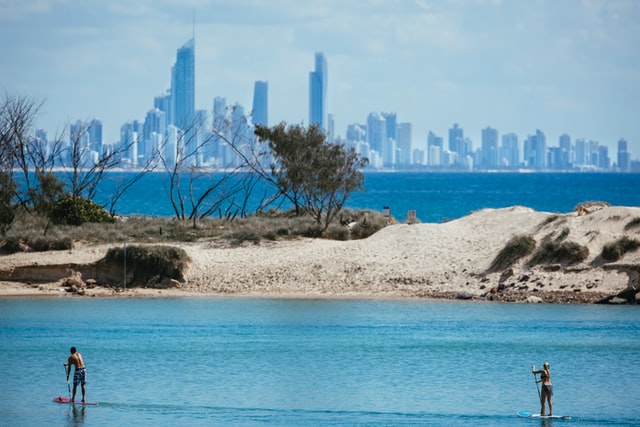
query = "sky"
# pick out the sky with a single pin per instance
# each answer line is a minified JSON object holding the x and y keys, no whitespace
{"x":568,"y":66}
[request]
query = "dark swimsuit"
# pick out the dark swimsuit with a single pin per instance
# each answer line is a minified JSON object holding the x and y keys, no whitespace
{"x":546,"y":388}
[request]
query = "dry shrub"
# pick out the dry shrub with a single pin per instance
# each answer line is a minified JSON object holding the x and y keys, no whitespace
{"x":562,"y":252}
{"x":616,"y":250}
{"x":634,"y":223}
{"x":517,"y":248}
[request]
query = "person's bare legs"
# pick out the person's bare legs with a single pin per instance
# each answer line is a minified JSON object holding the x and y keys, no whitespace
{"x":73,"y":395}
{"x":550,"y":404}
{"x":543,"y":398}
{"x":84,"y":391}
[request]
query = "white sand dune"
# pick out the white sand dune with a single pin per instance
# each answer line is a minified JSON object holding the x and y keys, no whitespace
{"x":401,"y":261}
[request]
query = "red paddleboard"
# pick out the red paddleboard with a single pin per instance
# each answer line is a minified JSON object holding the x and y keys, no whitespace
{"x":60,"y":399}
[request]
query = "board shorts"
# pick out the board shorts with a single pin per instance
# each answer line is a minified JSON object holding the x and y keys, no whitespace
{"x":548,"y":389}
{"x":80,"y":376}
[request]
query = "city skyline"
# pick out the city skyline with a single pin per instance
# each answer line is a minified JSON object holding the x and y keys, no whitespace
{"x":514,"y":66}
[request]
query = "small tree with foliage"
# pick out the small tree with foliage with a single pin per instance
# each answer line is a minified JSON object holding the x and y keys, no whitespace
{"x":316,"y":176}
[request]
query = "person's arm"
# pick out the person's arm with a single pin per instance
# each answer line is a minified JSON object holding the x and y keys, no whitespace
{"x":534,"y":372}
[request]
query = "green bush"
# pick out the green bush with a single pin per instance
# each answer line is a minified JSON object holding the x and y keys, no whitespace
{"x":147,"y":265}
{"x":616,"y":250}
{"x":518,"y":247}
{"x":70,"y":210}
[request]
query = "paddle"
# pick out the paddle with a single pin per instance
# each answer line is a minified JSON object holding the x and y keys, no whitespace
{"x":65,"y":372}
{"x":533,"y":368}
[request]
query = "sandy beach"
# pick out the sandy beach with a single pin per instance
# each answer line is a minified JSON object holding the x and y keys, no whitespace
{"x":448,"y":260}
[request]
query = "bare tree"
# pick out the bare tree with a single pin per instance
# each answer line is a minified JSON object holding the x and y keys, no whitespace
{"x":22,"y":152}
{"x":194,"y":190}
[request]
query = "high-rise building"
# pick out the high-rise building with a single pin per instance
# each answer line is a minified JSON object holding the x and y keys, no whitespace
{"x":564,"y":143}
{"x":510,"y":150}
{"x":356,"y":132}
{"x":535,"y":151}
{"x":154,"y":122}
{"x":318,"y":92}
{"x":624,"y":158}
{"x":434,"y":149}
{"x":403,"y":144}
{"x":581,"y":152}
{"x":592,"y":153}
{"x":376,"y":132}
{"x":331,"y":128}
{"x":260,"y":104}
{"x":603,"y":157}
{"x":163,"y":103}
{"x":183,"y":86}
{"x":456,"y":135}
{"x":489,"y":158}
{"x":95,"y":135}
{"x":222,"y":152}
{"x":391,"y":120}
{"x":458,"y":145}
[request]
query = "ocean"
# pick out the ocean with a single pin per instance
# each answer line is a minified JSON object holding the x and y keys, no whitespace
{"x":206,"y":361}
{"x":436,"y":197}
{"x":275,"y":362}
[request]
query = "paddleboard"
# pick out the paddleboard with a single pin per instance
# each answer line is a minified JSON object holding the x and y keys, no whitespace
{"x":525,"y":414}
{"x":61,"y":399}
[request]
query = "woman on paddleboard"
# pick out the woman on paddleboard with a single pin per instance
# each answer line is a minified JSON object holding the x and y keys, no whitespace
{"x":547,"y":387}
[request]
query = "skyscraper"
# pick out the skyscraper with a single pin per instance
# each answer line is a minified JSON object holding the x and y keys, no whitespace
{"x":260,"y":98}
{"x":535,"y":150}
{"x":403,"y":144}
{"x":318,"y":92}
{"x":376,"y":132}
{"x":510,"y":150}
{"x":183,"y":86}
{"x":624,"y":158}
{"x":489,"y":147}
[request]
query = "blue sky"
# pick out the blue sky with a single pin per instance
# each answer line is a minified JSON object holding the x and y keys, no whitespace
{"x":562,"y":66}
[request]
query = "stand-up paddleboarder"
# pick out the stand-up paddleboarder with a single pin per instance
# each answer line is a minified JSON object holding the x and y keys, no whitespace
{"x":79,"y":373}
{"x":547,"y":388}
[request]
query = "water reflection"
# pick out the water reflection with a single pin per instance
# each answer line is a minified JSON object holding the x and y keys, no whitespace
{"x":76,"y":415}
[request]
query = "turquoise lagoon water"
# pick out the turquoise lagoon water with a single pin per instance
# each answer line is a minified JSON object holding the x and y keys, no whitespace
{"x":261,"y":362}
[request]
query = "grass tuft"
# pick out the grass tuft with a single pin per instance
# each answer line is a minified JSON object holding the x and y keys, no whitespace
{"x":562,"y":252}
{"x":634,"y":223}
{"x":518,"y":247}
{"x":616,"y":250}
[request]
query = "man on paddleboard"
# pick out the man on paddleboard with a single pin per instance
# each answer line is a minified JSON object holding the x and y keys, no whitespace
{"x":547,"y":387}
{"x":79,"y":373}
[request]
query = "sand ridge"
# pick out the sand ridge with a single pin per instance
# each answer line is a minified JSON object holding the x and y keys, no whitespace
{"x":448,"y":260}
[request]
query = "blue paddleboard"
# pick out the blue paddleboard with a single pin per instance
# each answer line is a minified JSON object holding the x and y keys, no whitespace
{"x":525,"y":414}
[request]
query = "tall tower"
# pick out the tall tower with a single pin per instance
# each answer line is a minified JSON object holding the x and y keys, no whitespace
{"x":489,"y":147}
{"x":183,"y":86}
{"x":260,"y":97}
{"x":318,"y":92}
